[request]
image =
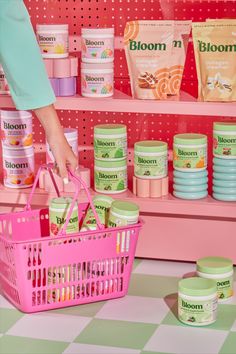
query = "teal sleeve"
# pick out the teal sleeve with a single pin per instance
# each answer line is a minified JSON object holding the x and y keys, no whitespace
{"x":21,"y":58}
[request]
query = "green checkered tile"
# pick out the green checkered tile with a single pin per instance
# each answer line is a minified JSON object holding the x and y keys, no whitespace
{"x":22,"y":345}
{"x":8,"y":318}
{"x":229,"y":346}
{"x":117,"y":333}
{"x":225,"y":318}
{"x":152,"y":285}
{"x":89,"y":310}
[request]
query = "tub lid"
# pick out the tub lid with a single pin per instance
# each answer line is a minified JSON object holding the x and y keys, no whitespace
{"x":95,"y":66}
{"x":110,"y":164}
{"x":125,"y":208}
{"x":103,"y":198}
{"x":71,"y":133}
{"x":197,"y":286}
{"x":110,"y":129}
{"x":214,"y":265}
{"x":98,"y":30}
{"x":13,"y":114}
{"x":150,"y":146}
{"x":225,"y":126}
{"x":53,"y":26}
{"x":61,"y":202}
{"x":190,"y":139}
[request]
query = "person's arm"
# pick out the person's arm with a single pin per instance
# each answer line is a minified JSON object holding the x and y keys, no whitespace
{"x":27,"y":78}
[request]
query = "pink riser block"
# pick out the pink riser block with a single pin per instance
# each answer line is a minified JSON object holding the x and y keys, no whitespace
{"x":46,"y":183}
{"x":61,"y":68}
{"x":150,"y":188}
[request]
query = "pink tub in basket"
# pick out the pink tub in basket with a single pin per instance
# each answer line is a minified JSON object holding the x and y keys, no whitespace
{"x":40,"y":273}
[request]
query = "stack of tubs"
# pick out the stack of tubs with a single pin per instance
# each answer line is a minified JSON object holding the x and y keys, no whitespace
{"x":224,"y":161}
{"x":190,"y":166}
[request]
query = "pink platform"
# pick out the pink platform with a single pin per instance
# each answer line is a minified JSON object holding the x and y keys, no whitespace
{"x":174,"y":228}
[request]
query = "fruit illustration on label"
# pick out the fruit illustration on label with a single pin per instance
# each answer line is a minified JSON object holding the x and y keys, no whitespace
{"x":227,"y":151}
{"x":30,"y":179}
{"x":59,"y":49}
{"x":105,"y":155}
{"x":191,"y":319}
{"x":201,"y":163}
{"x":121,"y":186}
{"x":94,"y":54}
{"x":3,"y":137}
{"x":28,"y":140}
{"x":15,"y":180}
{"x":108,"y":188}
{"x":221,"y":296}
{"x":119,"y":153}
{"x":54,"y":229}
{"x":14,"y":142}
{"x":147,"y":173}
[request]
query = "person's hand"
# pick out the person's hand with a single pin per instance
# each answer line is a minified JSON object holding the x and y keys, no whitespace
{"x":61,"y":150}
{"x":64,"y":156}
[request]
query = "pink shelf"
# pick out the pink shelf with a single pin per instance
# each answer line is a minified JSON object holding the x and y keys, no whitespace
{"x":170,"y":205}
{"x":121,"y":102}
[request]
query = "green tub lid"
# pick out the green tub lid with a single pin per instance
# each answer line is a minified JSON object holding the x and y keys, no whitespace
{"x":150,"y":146}
{"x":214,"y":265}
{"x":197,"y":286}
{"x":190,"y":139}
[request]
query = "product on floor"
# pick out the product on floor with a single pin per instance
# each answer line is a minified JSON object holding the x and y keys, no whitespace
{"x":18,"y":167}
{"x":53,"y":40}
{"x":190,"y":152}
{"x":197,"y":301}
{"x":4,"y":88}
{"x":150,"y":159}
{"x":110,"y":142}
{"x":179,"y":49}
{"x":214,"y":44}
{"x":16,"y":128}
{"x":97,"y":45}
{"x":123,"y":213}
{"x":110,"y":177}
{"x":102,"y":205}
{"x":71,"y":135}
{"x":64,"y":87}
{"x":224,"y":140}
{"x":221,"y":271}
{"x":97,"y":80}
{"x":61,"y":68}
{"x":58,"y":211}
{"x":148,"y":47}
{"x":150,"y":188}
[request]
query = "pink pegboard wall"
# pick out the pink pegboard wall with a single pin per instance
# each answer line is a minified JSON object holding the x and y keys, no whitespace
{"x":115,"y":13}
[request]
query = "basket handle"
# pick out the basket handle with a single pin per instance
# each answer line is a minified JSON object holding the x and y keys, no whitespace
{"x":47,"y":167}
{"x":77,"y":181}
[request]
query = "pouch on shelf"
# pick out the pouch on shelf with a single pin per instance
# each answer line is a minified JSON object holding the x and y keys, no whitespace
{"x":148,"y":46}
{"x":179,"y":49}
{"x":215,"y":54}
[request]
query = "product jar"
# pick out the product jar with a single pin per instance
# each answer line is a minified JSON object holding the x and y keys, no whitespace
{"x":150,"y":159}
{"x":16,"y":128}
{"x":123,"y":213}
{"x":18,"y":167}
{"x":190,"y":152}
{"x":72,"y":138}
{"x":97,"y":80}
{"x":58,"y":211}
{"x":53,"y":40}
{"x":4,"y":88}
{"x":221,"y":271}
{"x":97,"y":45}
{"x":224,"y":140}
{"x":197,"y":301}
{"x":102,"y":204}
{"x":110,"y":142}
{"x":110,"y":177}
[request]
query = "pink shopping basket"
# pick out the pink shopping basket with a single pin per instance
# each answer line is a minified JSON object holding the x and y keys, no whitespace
{"x":38,"y":272}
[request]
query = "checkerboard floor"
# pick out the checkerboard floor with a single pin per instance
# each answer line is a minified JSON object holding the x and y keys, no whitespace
{"x":143,"y":322}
